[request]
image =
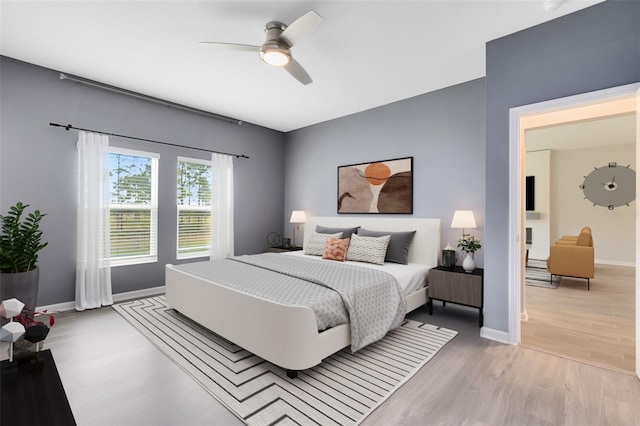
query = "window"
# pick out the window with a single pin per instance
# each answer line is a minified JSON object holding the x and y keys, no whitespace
{"x":133,"y":180}
{"x":194,"y":208}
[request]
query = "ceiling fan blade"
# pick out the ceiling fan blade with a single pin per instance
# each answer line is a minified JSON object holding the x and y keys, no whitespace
{"x":300,"y":28}
{"x":295,"y":69}
{"x":229,"y":46}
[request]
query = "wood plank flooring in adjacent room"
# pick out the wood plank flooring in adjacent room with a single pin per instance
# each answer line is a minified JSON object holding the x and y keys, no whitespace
{"x":114,"y":376}
{"x":595,"y":326}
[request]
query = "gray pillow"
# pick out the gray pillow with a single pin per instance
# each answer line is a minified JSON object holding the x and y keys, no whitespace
{"x":346,"y":232}
{"x":398,"y":249}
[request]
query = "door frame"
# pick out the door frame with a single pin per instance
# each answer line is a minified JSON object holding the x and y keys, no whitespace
{"x":516,"y":190}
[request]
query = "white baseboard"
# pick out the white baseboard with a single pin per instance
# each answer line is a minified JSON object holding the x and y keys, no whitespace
{"x":57,"y":307}
{"x":614,"y":263}
{"x":138,"y":294}
{"x":497,"y":335}
{"x":118,"y":297}
{"x":602,"y":262}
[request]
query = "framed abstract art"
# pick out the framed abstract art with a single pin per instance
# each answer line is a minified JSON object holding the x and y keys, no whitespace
{"x":380,"y":187}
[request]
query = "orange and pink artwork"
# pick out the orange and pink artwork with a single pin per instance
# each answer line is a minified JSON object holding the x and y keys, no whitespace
{"x":377,"y":187}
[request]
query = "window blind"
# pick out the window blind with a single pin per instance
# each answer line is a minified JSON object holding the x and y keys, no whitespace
{"x":134,"y":206}
{"x":194,"y":208}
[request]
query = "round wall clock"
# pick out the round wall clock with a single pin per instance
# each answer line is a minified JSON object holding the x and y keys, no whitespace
{"x":610,"y":186}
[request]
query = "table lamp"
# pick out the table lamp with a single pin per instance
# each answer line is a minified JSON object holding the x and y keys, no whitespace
{"x":463,"y":219}
{"x":297,"y":217}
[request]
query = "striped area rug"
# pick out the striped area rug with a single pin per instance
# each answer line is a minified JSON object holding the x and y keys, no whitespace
{"x":536,"y":274}
{"x":342,"y":390}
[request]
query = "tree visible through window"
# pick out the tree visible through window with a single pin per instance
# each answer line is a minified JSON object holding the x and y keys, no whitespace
{"x":134,"y":207}
{"x":194,"y":208}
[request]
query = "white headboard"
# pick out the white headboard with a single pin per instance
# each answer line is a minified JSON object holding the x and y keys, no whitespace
{"x":424,"y":248}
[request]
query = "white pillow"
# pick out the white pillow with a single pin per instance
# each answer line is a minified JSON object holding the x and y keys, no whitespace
{"x":368,"y":249}
{"x":315,"y":243}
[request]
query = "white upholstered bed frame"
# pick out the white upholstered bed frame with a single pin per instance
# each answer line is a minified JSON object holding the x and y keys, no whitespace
{"x":285,"y":335}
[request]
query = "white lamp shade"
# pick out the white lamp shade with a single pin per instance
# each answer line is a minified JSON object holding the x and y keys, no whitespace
{"x":11,"y":332}
{"x":10,"y":308}
{"x":463,"y":219}
{"x":298,"y":216}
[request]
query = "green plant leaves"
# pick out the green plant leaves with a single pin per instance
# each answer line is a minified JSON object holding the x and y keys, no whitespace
{"x":20,"y":241}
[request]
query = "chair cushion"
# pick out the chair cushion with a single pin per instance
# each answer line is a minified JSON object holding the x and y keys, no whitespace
{"x":585,"y":238}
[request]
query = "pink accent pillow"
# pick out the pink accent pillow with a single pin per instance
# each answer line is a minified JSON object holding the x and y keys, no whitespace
{"x":335,"y":249}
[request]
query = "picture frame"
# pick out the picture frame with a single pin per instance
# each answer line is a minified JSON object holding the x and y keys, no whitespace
{"x":376,"y":187}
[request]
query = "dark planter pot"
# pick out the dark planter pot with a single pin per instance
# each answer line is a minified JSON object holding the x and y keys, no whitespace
{"x":22,"y":285}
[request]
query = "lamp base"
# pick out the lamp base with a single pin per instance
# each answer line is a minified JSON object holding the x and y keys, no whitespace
{"x":293,"y":242}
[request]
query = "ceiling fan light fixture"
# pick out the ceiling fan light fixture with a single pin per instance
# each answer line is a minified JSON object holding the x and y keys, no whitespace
{"x":275,"y":55}
{"x":276,"y":50}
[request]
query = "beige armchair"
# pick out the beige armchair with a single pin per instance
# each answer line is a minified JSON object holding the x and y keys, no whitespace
{"x":573,"y":256}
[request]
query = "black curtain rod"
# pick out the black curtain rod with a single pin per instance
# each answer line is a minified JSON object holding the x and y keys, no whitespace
{"x":69,"y":127}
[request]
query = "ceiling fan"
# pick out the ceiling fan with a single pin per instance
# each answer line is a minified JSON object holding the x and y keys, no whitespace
{"x":276,"y":50}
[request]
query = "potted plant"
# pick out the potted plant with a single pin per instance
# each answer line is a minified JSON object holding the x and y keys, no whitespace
{"x":20,"y":243}
{"x":469,"y":244}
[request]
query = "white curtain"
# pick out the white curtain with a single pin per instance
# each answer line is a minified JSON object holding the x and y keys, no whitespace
{"x":221,"y":206}
{"x":93,"y":269}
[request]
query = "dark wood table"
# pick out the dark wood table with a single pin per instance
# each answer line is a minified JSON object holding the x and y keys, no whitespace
{"x":36,"y":397}
{"x":457,"y":286}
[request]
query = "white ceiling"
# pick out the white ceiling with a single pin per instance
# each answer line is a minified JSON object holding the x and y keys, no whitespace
{"x":604,"y":131}
{"x":364,"y":54}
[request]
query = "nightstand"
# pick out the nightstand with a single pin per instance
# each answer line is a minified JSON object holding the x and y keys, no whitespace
{"x":456,"y":286}
{"x":282,"y":249}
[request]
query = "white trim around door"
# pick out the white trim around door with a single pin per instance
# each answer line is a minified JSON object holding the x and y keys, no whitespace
{"x":516,"y":190}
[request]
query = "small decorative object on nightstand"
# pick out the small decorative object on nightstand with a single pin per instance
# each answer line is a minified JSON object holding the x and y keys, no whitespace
{"x":455,"y":286}
{"x":274,"y":239}
{"x":467,"y":243}
{"x":449,"y":256}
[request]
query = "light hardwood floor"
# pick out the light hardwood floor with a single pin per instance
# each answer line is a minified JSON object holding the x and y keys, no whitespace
{"x":595,"y":326}
{"x":115,"y":376}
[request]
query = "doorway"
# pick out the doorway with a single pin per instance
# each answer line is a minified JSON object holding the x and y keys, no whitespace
{"x":580,"y":108}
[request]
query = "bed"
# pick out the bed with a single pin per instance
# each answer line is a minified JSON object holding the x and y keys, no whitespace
{"x":282,"y":334}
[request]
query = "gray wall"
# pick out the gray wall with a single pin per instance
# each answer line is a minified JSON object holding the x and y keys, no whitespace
{"x":443,"y":131}
{"x":38,"y":167}
{"x":593,"y":49}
